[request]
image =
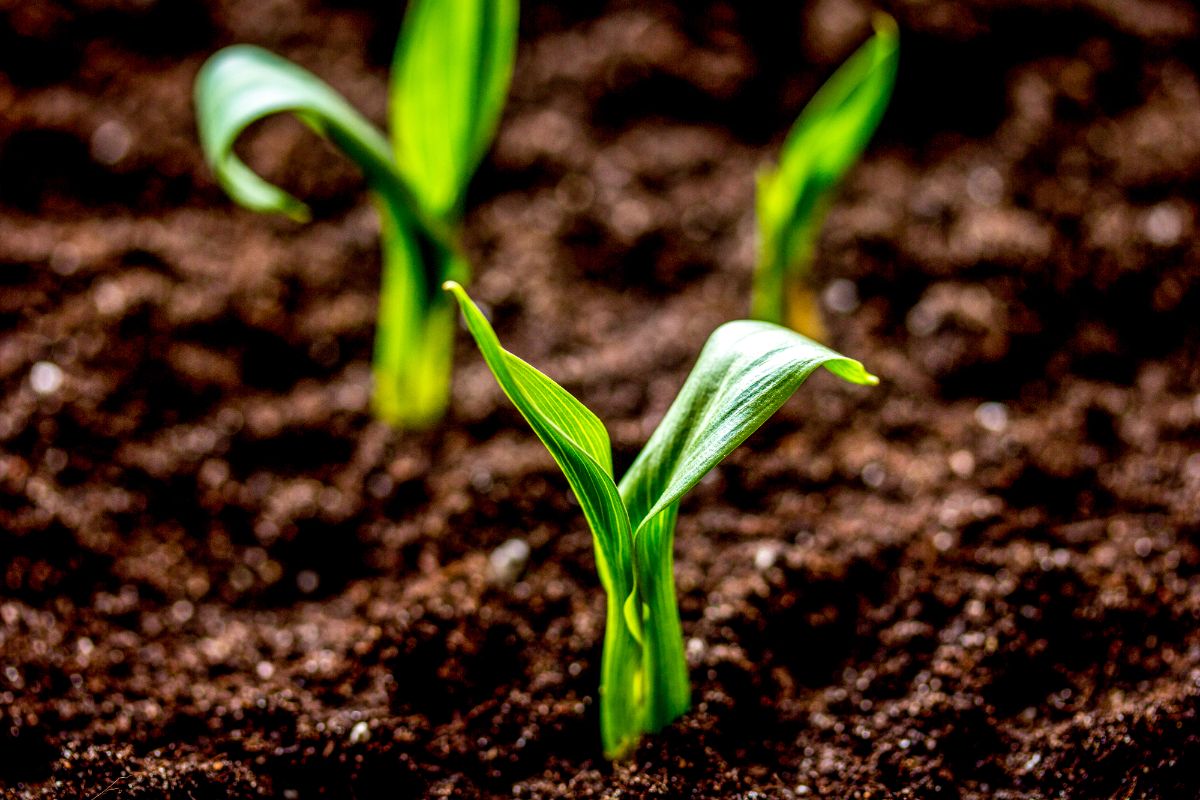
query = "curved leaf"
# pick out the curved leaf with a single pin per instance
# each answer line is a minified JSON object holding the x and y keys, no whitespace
{"x":745,"y":372}
{"x":575,"y":437}
{"x":242,"y":84}
{"x":450,"y":74}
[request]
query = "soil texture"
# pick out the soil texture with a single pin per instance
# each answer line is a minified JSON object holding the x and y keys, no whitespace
{"x":220,"y":578}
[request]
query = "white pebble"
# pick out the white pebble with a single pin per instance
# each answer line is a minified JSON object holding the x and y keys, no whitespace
{"x":992,"y":416}
{"x":765,"y":557}
{"x":873,"y":474}
{"x":46,"y":378}
{"x":360,"y":733}
{"x":508,"y":561}
{"x":841,"y":296}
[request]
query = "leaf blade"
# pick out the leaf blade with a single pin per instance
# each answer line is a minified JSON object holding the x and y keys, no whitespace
{"x":745,"y":372}
{"x":575,"y":437}
{"x":242,"y":84}
{"x":450,"y":74}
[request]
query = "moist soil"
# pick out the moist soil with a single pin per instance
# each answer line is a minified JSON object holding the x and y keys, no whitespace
{"x":220,"y":578}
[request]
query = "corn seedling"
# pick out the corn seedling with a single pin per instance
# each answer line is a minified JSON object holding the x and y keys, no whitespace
{"x":449,"y":77}
{"x":827,"y":138}
{"x":745,"y":372}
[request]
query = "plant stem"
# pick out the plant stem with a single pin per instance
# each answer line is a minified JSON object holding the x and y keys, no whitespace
{"x":643,"y":674}
{"x":783,"y":290}
{"x":414,"y":337}
{"x":664,"y":662}
{"x":622,"y":683}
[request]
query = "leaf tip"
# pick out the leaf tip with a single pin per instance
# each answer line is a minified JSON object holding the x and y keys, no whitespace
{"x":863,"y":376}
{"x":299,"y":213}
{"x":885,"y":25}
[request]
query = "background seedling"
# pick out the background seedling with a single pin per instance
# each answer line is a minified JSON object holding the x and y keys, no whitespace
{"x":827,"y":138}
{"x":746,"y":371}
{"x":450,"y":74}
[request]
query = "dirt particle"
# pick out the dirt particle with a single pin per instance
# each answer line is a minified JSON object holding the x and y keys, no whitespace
{"x":111,"y":142}
{"x":841,"y":296}
{"x":1163,"y":225}
{"x":962,"y":463}
{"x":307,"y":581}
{"x":985,"y":185}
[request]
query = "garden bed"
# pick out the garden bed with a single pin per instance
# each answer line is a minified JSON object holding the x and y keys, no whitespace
{"x":222,"y":579}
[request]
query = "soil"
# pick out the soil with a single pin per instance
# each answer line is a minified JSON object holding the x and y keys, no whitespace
{"x":220,"y":578}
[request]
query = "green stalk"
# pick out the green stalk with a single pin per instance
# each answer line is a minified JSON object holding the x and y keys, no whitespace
{"x":414,"y":335}
{"x":783,"y":290}
{"x":622,"y":680}
{"x":664,"y":662}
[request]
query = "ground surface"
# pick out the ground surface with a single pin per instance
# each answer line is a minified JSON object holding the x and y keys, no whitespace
{"x":219,"y":578}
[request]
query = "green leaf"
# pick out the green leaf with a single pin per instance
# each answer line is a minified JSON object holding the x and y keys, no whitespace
{"x":574,"y":436}
{"x":450,"y":74}
{"x":744,"y":374}
{"x":243,"y":84}
{"x":827,"y":139}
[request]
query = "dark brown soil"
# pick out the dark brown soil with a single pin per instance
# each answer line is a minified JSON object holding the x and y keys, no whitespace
{"x":219,"y":578}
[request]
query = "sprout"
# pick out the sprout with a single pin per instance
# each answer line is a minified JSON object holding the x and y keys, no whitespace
{"x":827,"y":138}
{"x":745,"y":372}
{"x":450,"y":73}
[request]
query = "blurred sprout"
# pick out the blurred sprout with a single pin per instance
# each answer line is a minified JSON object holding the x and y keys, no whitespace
{"x":827,"y":139}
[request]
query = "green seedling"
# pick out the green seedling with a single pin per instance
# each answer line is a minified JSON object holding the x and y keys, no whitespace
{"x":745,"y":372}
{"x":827,"y":139}
{"x":450,"y":74}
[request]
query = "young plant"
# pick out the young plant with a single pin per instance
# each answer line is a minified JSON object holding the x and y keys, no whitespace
{"x":827,"y":138}
{"x":745,"y":372}
{"x":450,"y":74}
